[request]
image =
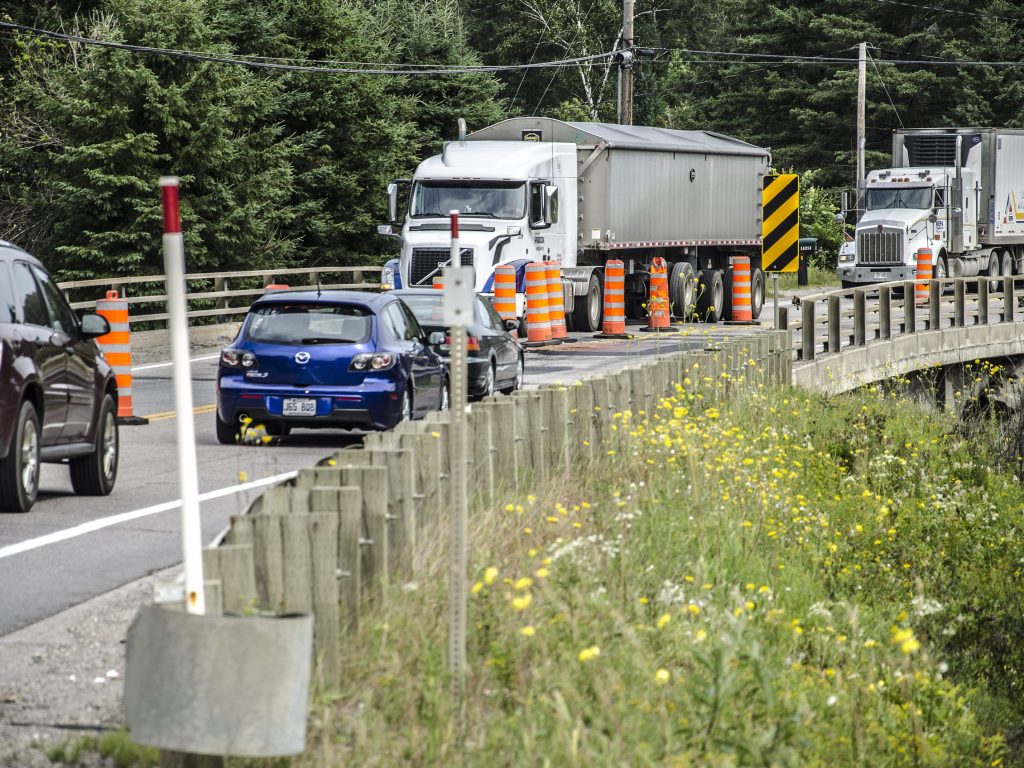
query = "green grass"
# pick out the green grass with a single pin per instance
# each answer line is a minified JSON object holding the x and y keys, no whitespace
{"x":816,"y":278}
{"x":116,"y":746}
{"x":785,"y":579}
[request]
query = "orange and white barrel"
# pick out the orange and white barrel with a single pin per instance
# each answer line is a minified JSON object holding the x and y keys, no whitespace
{"x":614,"y":299}
{"x":538,"y":323}
{"x":657,"y":302}
{"x":117,"y":350}
{"x":556,"y":300}
{"x":742,"y":310}
{"x":505,"y":291}
{"x":924,"y":275}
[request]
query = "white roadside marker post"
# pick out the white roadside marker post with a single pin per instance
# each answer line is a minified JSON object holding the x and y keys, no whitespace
{"x":459,"y":295}
{"x":188,"y":479}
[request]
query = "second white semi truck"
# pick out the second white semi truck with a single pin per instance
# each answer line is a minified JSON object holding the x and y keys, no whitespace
{"x":956,"y":191}
{"x":536,"y":189}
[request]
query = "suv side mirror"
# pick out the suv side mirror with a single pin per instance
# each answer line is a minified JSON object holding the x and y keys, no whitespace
{"x":511,"y":325}
{"x":435,"y":339}
{"x":94,"y":325}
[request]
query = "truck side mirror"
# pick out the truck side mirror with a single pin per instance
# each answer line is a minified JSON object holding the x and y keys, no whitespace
{"x":845,"y":197}
{"x":550,"y":205}
{"x":932,"y":217}
{"x":393,"y":202}
{"x":841,"y":217}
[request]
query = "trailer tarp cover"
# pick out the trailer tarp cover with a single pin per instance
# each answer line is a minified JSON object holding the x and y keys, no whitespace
{"x":637,"y":137}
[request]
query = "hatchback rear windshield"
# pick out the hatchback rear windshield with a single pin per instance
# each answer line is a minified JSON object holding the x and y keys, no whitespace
{"x":309,"y":324}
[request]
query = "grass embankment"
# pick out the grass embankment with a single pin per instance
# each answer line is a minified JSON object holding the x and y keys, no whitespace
{"x":816,"y":278}
{"x":782,"y":580}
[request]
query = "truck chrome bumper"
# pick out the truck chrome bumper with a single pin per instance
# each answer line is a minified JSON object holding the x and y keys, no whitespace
{"x":876,"y":274}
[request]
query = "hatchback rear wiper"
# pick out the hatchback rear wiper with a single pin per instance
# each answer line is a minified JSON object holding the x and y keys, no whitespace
{"x":324,"y":340}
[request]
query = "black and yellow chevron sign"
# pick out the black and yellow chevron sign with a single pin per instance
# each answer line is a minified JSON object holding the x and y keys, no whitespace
{"x":780,"y":233}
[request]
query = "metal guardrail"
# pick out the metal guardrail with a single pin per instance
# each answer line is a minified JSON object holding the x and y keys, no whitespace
{"x":887,"y":310}
{"x":148,"y":292}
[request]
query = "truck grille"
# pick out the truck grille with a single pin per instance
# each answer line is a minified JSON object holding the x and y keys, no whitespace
{"x":879,"y":248}
{"x":425,"y":261}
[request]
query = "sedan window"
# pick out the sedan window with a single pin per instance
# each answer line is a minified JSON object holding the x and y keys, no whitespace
{"x":309,"y":324}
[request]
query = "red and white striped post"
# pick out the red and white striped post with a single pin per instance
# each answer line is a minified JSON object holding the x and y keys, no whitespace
{"x":188,"y":475}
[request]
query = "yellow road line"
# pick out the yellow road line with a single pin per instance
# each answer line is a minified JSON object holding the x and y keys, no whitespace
{"x":171,"y":414}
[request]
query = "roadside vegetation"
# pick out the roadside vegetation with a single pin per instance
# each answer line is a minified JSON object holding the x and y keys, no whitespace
{"x":784,"y":579}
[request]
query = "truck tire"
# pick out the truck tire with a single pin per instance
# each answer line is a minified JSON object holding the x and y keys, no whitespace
{"x":727,"y":280}
{"x":680,"y":289}
{"x":586,"y":311}
{"x":756,"y":292}
{"x":710,"y":295}
{"x":993,"y":272}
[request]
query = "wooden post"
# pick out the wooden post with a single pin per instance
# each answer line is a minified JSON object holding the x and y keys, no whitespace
{"x":958,"y":303}
{"x":834,"y":324}
{"x":934,"y":305}
{"x":583,"y":435}
{"x":504,"y":445}
{"x":807,"y":331}
{"x":556,"y":404}
{"x":1009,"y":299}
{"x":481,"y":458}
{"x":346,"y":502}
{"x":982,"y":301}
{"x":601,"y":389}
{"x":909,"y":308}
{"x":234,"y":567}
{"x":267,"y":553}
{"x":859,"y":318}
{"x":884,"y":312}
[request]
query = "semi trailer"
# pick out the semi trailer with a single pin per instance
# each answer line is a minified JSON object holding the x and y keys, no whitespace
{"x":958,"y":192}
{"x":538,"y":189}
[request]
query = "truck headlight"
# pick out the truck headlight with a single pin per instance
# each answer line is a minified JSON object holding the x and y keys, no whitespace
{"x":846,"y":257}
{"x":387,"y":278}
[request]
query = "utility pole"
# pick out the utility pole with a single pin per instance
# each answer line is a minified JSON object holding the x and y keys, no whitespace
{"x":862,"y":71}
{"x":625,"y":60}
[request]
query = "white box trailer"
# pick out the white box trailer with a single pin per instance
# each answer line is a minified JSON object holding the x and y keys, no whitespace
{"x":584,"y":193}
{"x":956,"y":191}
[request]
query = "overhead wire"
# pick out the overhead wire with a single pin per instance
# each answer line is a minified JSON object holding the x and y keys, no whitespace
{"x":885,"y":88}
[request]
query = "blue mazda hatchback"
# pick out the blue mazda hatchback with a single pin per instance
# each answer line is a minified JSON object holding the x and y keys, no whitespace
{"x":338,"y":359}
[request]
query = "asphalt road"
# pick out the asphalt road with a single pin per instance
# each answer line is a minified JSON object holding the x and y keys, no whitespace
{"x":71,"y":548}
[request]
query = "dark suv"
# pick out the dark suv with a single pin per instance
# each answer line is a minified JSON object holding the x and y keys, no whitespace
{"x":58,"y":396}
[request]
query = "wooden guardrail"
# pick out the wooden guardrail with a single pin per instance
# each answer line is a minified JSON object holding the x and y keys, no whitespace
{"x":336,"y":536}
{"x":146,"y":295}
{"x":886,"y":310}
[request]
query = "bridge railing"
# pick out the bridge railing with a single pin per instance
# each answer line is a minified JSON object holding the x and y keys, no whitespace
{"x":213,"y":294}
{"x":885,"y":310}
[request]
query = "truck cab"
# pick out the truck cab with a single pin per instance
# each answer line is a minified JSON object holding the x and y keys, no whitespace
{"x":516,"y":204}
{"x":906,"y":210}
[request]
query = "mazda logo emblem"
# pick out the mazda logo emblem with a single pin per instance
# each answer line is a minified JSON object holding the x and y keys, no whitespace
{"x":302,"y":358}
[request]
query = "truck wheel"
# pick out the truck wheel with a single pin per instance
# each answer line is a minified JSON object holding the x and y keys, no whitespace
{"x":727,"y":280}
{"x":586,"y":312}
{"x":756,"y":292}
{"x":993,"y":272}
{"x":710,"y":295}
{"x":680,"y":289}
{"x":1006,"y":264}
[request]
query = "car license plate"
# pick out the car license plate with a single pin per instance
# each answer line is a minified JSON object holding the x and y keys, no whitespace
{"x":298,"y":406}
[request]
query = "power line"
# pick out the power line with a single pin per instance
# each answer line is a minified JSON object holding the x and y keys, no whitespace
{"x":950,"y":10}
{"x":265,"y":63}
{"x":759,"y":59}
{"x":884,"y":88}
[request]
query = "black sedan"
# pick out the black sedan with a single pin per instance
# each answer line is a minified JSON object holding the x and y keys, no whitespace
{"x":495,"y":355}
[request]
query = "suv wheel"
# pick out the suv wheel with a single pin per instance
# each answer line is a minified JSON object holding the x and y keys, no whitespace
{"x":19,"y":472}
{"x":95,"y":474}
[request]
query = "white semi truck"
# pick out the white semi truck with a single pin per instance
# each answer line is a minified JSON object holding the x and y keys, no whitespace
{"x":536,"y":189}
{"x":956,"y":191}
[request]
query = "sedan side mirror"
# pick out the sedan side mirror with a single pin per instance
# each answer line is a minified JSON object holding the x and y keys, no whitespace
{"x":435,"y":339}
{"x":94,"y":325}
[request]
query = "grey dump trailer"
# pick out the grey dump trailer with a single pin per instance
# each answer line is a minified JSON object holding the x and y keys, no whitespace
{"x":593,"y":192}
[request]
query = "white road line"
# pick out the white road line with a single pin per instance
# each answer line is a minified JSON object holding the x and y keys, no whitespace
{"x":124,"y":517}
{"x":150,"y":366}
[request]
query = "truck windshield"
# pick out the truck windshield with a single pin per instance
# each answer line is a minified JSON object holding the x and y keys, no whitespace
{"x":495,"y":200}
{"x":918,"y":198}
